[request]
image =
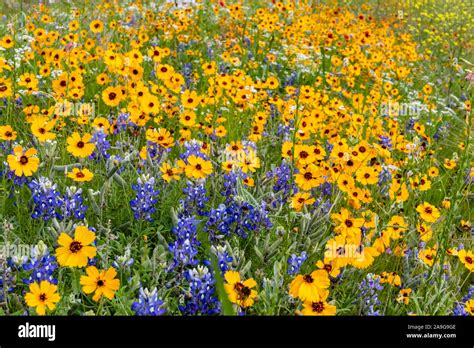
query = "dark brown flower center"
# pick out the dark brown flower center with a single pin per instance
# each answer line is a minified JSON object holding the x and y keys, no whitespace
{"x":42,"y":297}
{"x":243,"y":291}
{"x":307,"y":278}
{"x":317,"y":307}
{"x":80,"y":144}
{"x":23,"y":160}
{"x":75,"y":246}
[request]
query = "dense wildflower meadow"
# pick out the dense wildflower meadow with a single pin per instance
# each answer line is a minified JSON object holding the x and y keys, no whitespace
{"x":236,"y":158}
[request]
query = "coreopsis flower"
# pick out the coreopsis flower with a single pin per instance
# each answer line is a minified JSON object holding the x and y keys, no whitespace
{"x":300,"y":199}
{"x":310,"y":287}
{"x":427,"y":256}
{"x":425,"y":231}
{"x":80,"y":175}
{"x":41,"y":129}
{"x":112,"y":96}
{"x":76,"y":252}
{"x":428,"y":212}
{"x":42,"y":295}
{"x":197,"y":167}
{"x":240,"y":292}
{"x":308,"y":178}
{"x":80,"y":146}
{"x":469,"y":306}
{"x":6,"y":89}
{"x":250,"y":162}
{"x":404,"y":295}
{"x":330,"y":266}
{"x":101,"y":283}
{"x":96,"y":26}
{"x":7,"y":133}
{"x":367,"y":175}
{"x":449,"y":163}
{"x":320,"y":307}
{"x":22,"y":162}
{"x":168,"y":172}
{"x":190,"y":99}
{"x":467,"y":258}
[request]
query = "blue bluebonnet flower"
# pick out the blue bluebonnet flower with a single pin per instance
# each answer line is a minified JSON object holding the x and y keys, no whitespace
{"x":200,"y":298}
{"x":283,"y":183}
{"x":99,"y":138}
{"x":123,"y":122}
{"x":325,"y":189}
{"x":194,"y":200}
{"x":238,"y":217}
{"x":7,"y":284}
{"x":124,"y":261}
{"x":73,"y":204}
{"x":148,"y":303}
{"x":459,"y":309}
{"x":193,"y":147}
{"x":370,"y":288}
{"x":188,"y":73}
{"x":143,"y":205}
{"x":385,"y":141}
{"x":46,"y":199}
{"x":290,"y":80}
{"x":410,"y":124}
{"x":40,"y":265}
{"x":223,"y":257}
{"x":209,"y":52}
{"x":295,"y":262}
{"x":185,"y":247}
{"x":155,"y":152}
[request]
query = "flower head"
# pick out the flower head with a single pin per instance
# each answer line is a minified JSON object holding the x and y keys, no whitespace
{"x":240,"y":292}
{"x":102,"y":283}
{"x":75,"y":252}
{"x":42,"y":295}
{"x":22,"y":162}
